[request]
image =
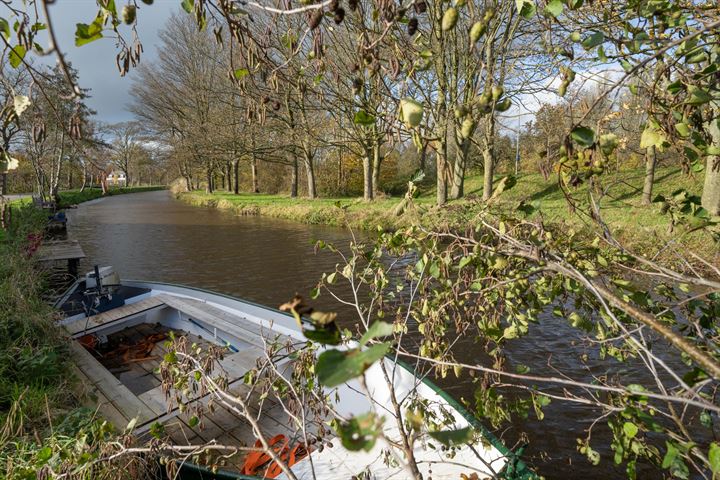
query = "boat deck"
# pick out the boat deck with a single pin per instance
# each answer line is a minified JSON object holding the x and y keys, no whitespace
{"x":122,"y":379}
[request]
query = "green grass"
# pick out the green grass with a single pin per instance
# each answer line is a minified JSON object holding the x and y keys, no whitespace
{"x":638,"y":225}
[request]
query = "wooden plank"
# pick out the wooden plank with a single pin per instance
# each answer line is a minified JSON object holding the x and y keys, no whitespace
{"x":121,"y":397}
{"x":225,"y":321}
{"x":237,"y":364}
{"x":100,"y":402}
{"x":60,"y":250}
{"x":89,"y":324}
{"x":235,"y":367}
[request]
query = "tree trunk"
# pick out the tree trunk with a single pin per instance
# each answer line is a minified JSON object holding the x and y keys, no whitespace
{"x":209,"y":173}
{"x":254,"y":173}
{"x":367,"y":176}
{"x":441,"y":162}
{"x":650,"y":161}
{"x":489,"y":157}
{"x":340,"y":188}
{"x":84,"y":182}
{"x":294,"y":178}
{"x":458,"y":179}
{"x":458,"y":174}
{"x":377,"y":160}
{"x":310,"y":173}
{"x":236,"y":170}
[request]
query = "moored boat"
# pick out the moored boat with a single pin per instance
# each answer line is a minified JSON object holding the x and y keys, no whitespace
{"x":121,"y":332}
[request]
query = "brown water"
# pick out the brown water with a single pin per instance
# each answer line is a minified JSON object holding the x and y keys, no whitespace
{"x":151,"y":236}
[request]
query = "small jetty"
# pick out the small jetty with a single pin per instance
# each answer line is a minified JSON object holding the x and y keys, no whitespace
{"x":62,"y":250}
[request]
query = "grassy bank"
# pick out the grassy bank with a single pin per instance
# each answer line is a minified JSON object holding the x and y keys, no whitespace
{"x":36,"y":400}
{"x":73,"y":197}
{"x":640,"y":225}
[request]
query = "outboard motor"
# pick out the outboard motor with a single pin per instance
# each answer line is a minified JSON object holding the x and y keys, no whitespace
{"x":100,"y":285}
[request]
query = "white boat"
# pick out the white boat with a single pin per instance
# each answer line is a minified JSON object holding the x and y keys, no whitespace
{"x":129,"y":389}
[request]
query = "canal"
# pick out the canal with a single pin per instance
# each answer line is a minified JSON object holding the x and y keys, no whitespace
{"x":152,"y":236}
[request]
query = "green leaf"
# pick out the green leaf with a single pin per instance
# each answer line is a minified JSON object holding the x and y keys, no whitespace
{"x":43,"y":455}
{"x":593,"y":40}
{"x":85,"y":33}
{"x":574,"y":4}
{"x":555,"y":8}
{"x":630,"y":429}
{"x":411,"y":112}
{"x":157,"y":430}
{"x":376,"y":330}
{"x":714,"y":458}
{"x":453,"y":437}
{"x":683,"y":129}
{"x":188,"y":5}
{"x":583,"y":136}
{"x":464,"y":261}
{"x":697,"y":96}
{"x":360,"y":432}
{"x":324,"y":336}
{"x":240,"y":73}
{"x":4,"y":28}
{"x":526,"y":8}
{"x":16,"y":56}
{"x":194,"y":421}
{"x":652,"y":138}
{"x":335,"y":367}
{"x":363,"y":118}
{"x":670,"y":455}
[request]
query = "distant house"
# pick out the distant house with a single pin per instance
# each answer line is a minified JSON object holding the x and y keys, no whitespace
{"x":116,"y":178}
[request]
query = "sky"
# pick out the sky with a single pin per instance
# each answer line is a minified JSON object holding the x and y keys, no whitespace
{"x":96,"y":61}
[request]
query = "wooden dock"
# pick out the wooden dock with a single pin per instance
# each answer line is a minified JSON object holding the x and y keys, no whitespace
{"x":69,"y":250}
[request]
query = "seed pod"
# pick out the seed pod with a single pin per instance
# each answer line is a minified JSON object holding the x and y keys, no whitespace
{"x":316,"y":18}
{"x":467,"y":127}
{"x":449,"y":19}
{"x":128,"y":14}
{"x":460,"y":111}
{"x":503,"y":106}
{"x":562,"y":89}
{"x":353,"y":4}
{"x":412,"y":26}
{"x":497,"y":92}
{"x":489,"y":14}
{"x":334,"y":5}
{"x":483,"y":100}
{"x":477,"y":31}
{"x":460,"y":3}
{"x":420,"y":6}
{"x":339,"y":15}
{"x":147,"y":2}
{"x":575,"y":37}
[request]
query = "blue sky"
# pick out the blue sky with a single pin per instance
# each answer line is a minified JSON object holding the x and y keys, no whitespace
{"x":96,"y":61}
